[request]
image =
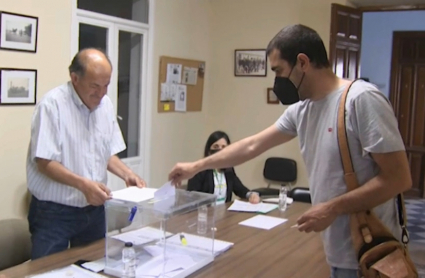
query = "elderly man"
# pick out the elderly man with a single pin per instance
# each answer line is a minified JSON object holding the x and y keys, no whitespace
{"x":74,"y":141}
{"x":304,"y":78}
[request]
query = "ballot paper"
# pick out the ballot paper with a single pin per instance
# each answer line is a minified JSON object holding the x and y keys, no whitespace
{"x":142,"y":236}
{"x":165,"y":191}
{"x":201,"y":243}
{"x":263,"y":222}
{"x":248,"y":207}
{"x":95,"y":266}
{"x":134,"y":194}
{"x":72,"y":271}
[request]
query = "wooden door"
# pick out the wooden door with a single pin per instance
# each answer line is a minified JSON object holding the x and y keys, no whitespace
{"x":345,"y":41}
{"x":407,"y":95}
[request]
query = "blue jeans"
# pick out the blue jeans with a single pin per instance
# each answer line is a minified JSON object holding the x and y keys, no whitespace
{"x":55,"y":227}
{"x":343,"y":273}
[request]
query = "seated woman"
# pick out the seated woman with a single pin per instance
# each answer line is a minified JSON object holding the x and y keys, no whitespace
{"x":221,"y":182}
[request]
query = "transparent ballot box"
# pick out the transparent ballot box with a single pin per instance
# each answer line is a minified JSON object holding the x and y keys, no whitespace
{"x":171,"y":236}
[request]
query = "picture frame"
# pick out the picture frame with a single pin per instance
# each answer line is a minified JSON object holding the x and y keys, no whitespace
{"x":271,"y":97}
{"x":18,"y":86}
{"x":18,"y":32}
{"x":250,"y":63}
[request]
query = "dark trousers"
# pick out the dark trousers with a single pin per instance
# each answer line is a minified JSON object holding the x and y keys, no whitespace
{"x":55,"y":227}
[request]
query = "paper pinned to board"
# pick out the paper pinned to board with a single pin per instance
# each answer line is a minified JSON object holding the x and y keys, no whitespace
{"x":180,"y":99}
{"x":168,"y":92}
{"x":263,"y":222}
{"x":174,"y":73}
{"x":134,"y":194}
{"x":190,"y":76}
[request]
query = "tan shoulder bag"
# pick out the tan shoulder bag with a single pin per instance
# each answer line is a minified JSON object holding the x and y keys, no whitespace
{"x":379,"y":253}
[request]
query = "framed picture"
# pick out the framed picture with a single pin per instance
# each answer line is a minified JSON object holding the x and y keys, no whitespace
{"x":250,"y":62}
{"x":18,"y":32}
{"x":18,"y":86}
{"x":271,"y":97}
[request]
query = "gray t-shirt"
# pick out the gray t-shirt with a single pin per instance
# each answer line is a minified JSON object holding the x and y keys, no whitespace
{"x":371,"y":128}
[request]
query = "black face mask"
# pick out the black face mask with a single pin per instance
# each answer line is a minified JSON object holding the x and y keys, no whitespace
{"x":214,"y":152}
{"x":285,"y":90}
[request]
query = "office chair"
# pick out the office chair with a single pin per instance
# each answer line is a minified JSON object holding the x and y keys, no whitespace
{"x":277,"y":170}
{"x":300,"y":194}
{"x":15,"y":242}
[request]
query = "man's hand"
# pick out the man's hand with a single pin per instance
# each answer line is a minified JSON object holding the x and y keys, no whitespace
{"x":254,"y":198}
{"x":96,"y":193}
{"x":317,"y":218}
{"x":134,"y":180}
{"x":182,"y":171}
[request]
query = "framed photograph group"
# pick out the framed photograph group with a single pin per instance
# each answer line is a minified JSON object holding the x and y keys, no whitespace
{"x":18,"y":32}
{"x":18,"y":86}
{"x":250,"y":62}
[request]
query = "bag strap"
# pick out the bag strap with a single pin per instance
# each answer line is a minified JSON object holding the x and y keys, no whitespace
{"x":349,"y":175}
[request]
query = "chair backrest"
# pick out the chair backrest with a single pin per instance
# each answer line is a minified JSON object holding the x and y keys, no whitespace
{"x":300,"y":194}
{"x":280,"y":169}
{"x":15,"y":242}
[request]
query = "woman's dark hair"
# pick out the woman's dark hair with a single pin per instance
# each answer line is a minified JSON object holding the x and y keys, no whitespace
{"x":214,"y":137}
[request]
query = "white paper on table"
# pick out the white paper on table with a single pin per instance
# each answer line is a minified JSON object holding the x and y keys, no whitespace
{"x":154,"y":250}
{"x":142,"y":236}
{"x":248,"y":207}
{"x":190,"y":76}
{"x":180,"y":98}
{"x":174,"y":73}
{"x":276,"y":200}
{"x":165,"y":191}
{"x":134,"y":194}
{"x":159,"y":265}
{"x":263,"y":222}
{"x":201,"y":243}
{"x":95,"y":266}
{"x":69,"y":271}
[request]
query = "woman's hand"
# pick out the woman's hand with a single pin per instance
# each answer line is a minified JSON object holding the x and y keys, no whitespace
{"x":254,"y":198}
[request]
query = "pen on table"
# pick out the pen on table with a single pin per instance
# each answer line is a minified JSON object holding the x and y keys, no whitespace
{"x":294,"y":226}
{"x":183,"y":239}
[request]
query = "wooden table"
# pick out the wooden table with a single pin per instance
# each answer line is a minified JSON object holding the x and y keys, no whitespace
{"x":279,"y":252}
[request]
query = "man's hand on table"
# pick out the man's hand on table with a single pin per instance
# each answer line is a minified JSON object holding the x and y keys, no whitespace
{"x":96,"y":193}
{"x":317,"y":218}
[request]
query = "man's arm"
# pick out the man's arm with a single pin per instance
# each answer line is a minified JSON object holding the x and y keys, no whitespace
{"x":117,"y":167}
{"x":95,"y":193}
{"x":59,"y":173}
{"x":393,"y":178}
{"x":244,"y":150}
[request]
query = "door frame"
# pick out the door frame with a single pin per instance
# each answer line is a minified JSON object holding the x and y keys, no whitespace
{"x":145,"y":134}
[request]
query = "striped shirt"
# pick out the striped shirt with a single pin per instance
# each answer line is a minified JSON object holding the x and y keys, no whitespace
{"x":64,"y":130}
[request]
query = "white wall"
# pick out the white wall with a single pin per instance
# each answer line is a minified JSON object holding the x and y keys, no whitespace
{"x":51,"y":61}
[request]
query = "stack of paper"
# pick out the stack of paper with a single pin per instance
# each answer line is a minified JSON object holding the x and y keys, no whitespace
{"x":134,"y":194}
{"x":248,"y":207}
{"x":202,"y":243}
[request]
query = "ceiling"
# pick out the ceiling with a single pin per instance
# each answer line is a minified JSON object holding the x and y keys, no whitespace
{"x":363,"y":3}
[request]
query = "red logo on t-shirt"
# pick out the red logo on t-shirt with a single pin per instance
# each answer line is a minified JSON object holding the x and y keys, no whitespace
{"x":330,"y":129}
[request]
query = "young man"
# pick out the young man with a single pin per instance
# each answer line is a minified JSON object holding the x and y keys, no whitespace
{"x":74,"y":141}
{"x":305,"y":79}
